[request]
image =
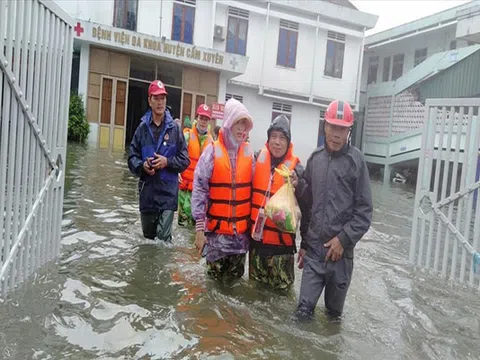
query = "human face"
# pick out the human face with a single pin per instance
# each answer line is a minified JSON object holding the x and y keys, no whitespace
{"x":158,"y":103}
{"x":278,"y":144}
{"x":202,"y":123}
{"x":239,"y":130}
{"x":336,"y":136}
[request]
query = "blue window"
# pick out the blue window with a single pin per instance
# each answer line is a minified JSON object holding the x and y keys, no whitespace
{"x":125,"y":14}
{"x":335,"y":54}
{"x":287,"y":44}
{"x":183,"y":21}
{"x":237,"y":31}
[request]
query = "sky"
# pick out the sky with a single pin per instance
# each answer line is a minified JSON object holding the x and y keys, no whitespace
{"x":395,"y":12}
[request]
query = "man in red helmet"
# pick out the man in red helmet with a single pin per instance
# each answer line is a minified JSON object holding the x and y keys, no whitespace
{"x":197,"y":139}
{"x":335,"y":198}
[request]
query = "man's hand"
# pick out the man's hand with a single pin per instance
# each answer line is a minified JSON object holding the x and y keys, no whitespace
{"x":294,"y":178}
{"x":200,"y":241}
{"x":159,"y":162}
{"x":180,"y":179}
{"x":335,"y":250}
{"x":301,"y":255}
{"x":147,"y":168}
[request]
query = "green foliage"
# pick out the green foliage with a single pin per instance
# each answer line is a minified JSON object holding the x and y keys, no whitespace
{"x":78,"y":127}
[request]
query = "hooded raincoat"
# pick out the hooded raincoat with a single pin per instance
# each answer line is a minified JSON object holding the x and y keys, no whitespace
{"x":280,"y":123}
{"x":270,"y":263}
{"x":219,"y":245}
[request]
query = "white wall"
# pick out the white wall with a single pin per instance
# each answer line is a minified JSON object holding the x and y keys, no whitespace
{"x":150,"y":12}
{"x":83,"y":72}
{"x":151,"y":15}
{"x":148,"y":17}
{"x":221,"y":18}
{"x":203,"y":27}
{"x":96,"y":11}
{"x":256,"y":26}
{"x":329,"y":87}
{"x":435,"y":41}
{"x":296,"y":80}
{"x":304,"y":128}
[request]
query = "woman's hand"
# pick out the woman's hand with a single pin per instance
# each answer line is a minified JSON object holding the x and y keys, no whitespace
{"x":200,"y":241}
{"x":294,"y":178}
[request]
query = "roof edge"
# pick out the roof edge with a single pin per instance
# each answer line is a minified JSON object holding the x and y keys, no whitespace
{"x":419,"y":24}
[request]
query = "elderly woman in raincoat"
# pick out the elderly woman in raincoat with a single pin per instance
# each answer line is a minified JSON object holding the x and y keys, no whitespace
{"x":221,"y":198}
{"x":271,"y":257}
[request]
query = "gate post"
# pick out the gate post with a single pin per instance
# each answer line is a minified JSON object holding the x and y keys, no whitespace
{"x":477,"y":178}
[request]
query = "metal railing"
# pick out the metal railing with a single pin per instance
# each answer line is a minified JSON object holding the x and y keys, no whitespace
{"x":36,"y":44}
{"x":446,"y":223}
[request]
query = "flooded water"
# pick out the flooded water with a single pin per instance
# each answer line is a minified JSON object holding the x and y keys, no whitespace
{"x":114,"y":296}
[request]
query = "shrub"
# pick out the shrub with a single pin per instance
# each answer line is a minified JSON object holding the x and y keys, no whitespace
{"x":78,"y":127}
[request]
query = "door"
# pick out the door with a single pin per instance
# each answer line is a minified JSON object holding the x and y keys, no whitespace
{"x":113,"y":113}
{"x":190,"y":102}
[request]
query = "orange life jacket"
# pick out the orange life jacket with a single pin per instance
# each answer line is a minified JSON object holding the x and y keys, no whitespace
{"x":194,"y":152}
{"x":261,"y":179}
{"x":230,"y":199}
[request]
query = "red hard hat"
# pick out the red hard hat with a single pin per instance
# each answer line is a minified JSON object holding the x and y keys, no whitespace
{"x":204,"y":110}
{"x":339,"y":113}
{"x":157,"y":88}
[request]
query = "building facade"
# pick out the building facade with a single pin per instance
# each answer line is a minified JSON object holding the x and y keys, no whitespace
{"x":432,"y":57}
{"x":278,"y":56}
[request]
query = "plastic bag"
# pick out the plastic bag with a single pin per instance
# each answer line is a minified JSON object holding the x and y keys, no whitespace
{"x":282,"y":208}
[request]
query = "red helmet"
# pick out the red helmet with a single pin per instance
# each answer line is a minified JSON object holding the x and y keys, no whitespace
{"x":339,"y":113}
{"x":157,"y":88}
{"x":204,"y":109}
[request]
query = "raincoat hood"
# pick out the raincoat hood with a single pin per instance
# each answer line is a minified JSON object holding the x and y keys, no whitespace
{"x":234,"y":110}
{"x":280,"y":123}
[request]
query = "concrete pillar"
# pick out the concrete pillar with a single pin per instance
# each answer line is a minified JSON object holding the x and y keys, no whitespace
{"x":83,"y":89}
{"x":222,"y":90}
{"x":83,"y":72}
{"x":387,"y":171}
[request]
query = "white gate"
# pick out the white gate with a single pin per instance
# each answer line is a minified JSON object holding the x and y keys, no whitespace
{"x":446,"y":223}
{"x":36,"y":44}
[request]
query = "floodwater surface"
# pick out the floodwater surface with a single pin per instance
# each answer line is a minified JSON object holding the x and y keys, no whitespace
{"x":113,"y":295}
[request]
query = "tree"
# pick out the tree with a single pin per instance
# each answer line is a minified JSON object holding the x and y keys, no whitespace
{"x":78,"y":127}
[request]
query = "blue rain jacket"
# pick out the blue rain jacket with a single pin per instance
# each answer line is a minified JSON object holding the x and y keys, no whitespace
{"x":160,"y":191}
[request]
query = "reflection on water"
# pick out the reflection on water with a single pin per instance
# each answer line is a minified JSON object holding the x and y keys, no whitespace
{"x":113,"y":295}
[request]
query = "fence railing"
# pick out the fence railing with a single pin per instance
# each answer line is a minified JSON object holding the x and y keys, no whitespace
{"x":446,"y":222}
{"x":36,"y":44}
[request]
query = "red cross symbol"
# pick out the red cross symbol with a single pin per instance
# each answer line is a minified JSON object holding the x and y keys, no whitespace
{"x":78,"y":29}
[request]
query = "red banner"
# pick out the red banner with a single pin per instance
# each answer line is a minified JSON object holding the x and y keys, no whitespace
{"x":217,"y":111}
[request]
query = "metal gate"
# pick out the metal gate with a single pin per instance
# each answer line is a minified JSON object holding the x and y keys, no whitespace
{"x":36,"y":44}
{"x":446,"y":223}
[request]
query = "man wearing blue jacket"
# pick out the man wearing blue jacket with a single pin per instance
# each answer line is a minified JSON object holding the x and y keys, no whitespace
{"x":158,"y":153}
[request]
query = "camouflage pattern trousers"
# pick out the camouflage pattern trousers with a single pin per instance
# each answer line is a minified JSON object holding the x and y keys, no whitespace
{"x":185,"y":218}
{"x":276,"y":271}
{"x":231,"y":266}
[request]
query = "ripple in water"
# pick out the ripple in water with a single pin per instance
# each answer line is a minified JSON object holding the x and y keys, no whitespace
{"x":115,"y":295}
